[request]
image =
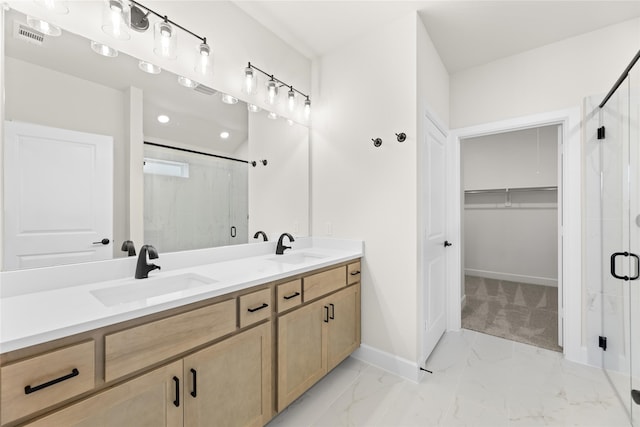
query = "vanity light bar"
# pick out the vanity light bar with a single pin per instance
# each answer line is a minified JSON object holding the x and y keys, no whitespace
{"x":165,"y":19}
{"x":307,"y":101}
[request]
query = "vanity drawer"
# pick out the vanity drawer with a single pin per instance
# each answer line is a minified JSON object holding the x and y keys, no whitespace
{"x":141,"y":346}
{"x":255,"y":307}
{"x":51,"y":378}
{"x":320,"y":284}
{"x":289,"y":295}
{"x":353,"y":273}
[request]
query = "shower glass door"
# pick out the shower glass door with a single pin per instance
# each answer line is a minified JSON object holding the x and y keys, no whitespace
{"x":634,"y":239}
{"x":614,"y":193}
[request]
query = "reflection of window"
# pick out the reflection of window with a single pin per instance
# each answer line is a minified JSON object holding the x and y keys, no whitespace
{"x":166,"y":167}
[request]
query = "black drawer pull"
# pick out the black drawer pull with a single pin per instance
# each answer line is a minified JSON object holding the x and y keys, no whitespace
{"x":194,"y":375}
{"x":293,"y":295}
{"x":264,"y":305}
{"x":333,"y":311}
{"x":355,"y":273}
{"x":28,"y":389}
{"x":326,"y":314}
{"x":177,"y":401}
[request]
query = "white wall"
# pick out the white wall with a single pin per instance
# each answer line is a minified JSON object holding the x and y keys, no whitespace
{"x":368,"y":89}
{"x":67,"y":102}
{"x":548,"y":78}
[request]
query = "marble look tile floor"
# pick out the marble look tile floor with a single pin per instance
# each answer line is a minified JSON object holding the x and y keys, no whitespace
{"x":477,"y":380}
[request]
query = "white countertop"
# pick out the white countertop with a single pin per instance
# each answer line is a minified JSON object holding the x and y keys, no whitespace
{"x":35,"y":317}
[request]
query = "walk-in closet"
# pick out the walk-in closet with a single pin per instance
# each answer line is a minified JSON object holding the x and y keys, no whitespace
{"x":510,"y":227}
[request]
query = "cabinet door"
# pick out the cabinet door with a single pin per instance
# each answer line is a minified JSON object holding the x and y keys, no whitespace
{"x":343,"y":329}
{"x":152,"y":400}
{"x":229,"y":383}
{"x":300,"y":356}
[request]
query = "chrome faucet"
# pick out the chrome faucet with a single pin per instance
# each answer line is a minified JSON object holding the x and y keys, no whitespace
{"x":142,"y":268}
{"x":264,"y":236}
{"x":281,"y":248}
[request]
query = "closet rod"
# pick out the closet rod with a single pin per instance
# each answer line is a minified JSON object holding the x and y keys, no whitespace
{"x":509,"y":190}
{"x":621,"y":79}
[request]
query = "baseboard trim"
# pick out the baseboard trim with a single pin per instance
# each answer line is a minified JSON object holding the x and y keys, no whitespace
{"x":389,"y":362}
{"x":534,"y":280}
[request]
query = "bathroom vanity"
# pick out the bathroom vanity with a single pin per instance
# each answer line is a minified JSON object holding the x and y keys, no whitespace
{"x":224,"y":352}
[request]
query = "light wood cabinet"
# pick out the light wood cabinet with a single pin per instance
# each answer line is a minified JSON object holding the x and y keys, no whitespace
{"x":229,"y":383}
{"x":313,"y":339}
{"x":151,"y":400}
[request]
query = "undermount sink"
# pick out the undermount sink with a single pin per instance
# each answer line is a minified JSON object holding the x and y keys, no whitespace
{"x":297,"y":258}
{"x":151,"y":290}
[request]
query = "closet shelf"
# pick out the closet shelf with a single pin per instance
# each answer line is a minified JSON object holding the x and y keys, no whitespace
{"x":511,"y":190}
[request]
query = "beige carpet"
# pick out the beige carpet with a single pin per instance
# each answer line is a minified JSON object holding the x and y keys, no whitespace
{"x":515,"y":311}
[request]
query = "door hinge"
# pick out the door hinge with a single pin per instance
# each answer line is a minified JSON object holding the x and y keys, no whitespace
{"x":601,"y":132}
{"x":602,"y":343}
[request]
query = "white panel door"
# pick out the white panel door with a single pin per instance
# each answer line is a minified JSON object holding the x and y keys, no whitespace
{"x":58,"y":190}
{"x":434,"y":260}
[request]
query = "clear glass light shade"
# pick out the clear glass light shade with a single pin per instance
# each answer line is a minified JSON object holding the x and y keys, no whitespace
{"x":272,"y":115}
{"x":148,"y":67}
{"x":307,"y":108}
{"x":115,"y":19}
{"x":203,"y":61}
{"x":55,"y":6}
{"x":250,"y":81}
{"x":272,"y":92}
{"x":291,"y":100}
{"x":187,"y":82}
{"x":228,"y":99}
{"x":103,"y":49}
{"x":253,"y":108}
{"x":43,"y":26}
{"x":165,"y":39}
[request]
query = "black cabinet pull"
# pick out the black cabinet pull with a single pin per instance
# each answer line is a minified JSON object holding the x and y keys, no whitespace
{"x":233,"y":231}
{"x":28,"y":389}
{"x":194,"y":376}
{"x":613,"y":265}
{"x":264,"y":305}
{"x":326,"y":314}
{"x":293,"y":295}
{"x":102,"y":242}
{"x":333,"y":311}
{"x":355,"y":273}
{"x":177,"y":401}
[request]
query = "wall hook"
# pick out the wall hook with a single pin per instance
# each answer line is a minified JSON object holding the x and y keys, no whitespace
{"x":401,"y":136}
{"x":264,"y":162}
{"x":377,"y":142}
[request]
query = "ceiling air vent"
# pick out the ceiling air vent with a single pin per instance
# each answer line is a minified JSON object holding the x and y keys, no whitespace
{"x":28,"y":34}
{"x":205,"y":89}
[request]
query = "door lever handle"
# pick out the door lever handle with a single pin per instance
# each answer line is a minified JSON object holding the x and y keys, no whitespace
{"x":447,"y":244}
{"x":104,"y":241}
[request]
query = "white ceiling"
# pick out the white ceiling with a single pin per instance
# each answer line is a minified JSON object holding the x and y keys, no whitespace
{"x":465,"y":33}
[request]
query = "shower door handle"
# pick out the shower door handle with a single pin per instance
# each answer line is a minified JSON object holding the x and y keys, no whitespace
{"x":637,"y":275}
{"x":233,"y":231}
{"x":613,"y":264}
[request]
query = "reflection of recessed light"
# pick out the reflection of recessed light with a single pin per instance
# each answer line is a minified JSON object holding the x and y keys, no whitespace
{"x":163,"y":118}
{"x":103,"y":49}
{"x":147,"y":67}
{"x":224,"y":135}
{"x":186,"y":82}
{"x":228,"y":99}
{"x":253,"y":108}
{"x":43,"y":26}
{"x":272,"y":115}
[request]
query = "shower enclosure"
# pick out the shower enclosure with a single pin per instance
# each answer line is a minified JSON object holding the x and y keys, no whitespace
{"x":613,"y":220}
{"x":193,"y":200}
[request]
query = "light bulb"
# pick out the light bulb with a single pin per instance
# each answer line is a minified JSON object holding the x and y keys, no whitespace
{"x":163,"y":118}
{"x":224,"y":134}
{"x":114,"y":20}
{"x":203,"y":62}
{"x":291,"y":99}
{"x":272,"y":91}
{"x":249,"y":80}
{"x":55,"y":6}
{"x":253,"y":108}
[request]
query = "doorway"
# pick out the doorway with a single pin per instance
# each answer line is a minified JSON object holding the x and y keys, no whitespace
{"x":511,"y":222}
